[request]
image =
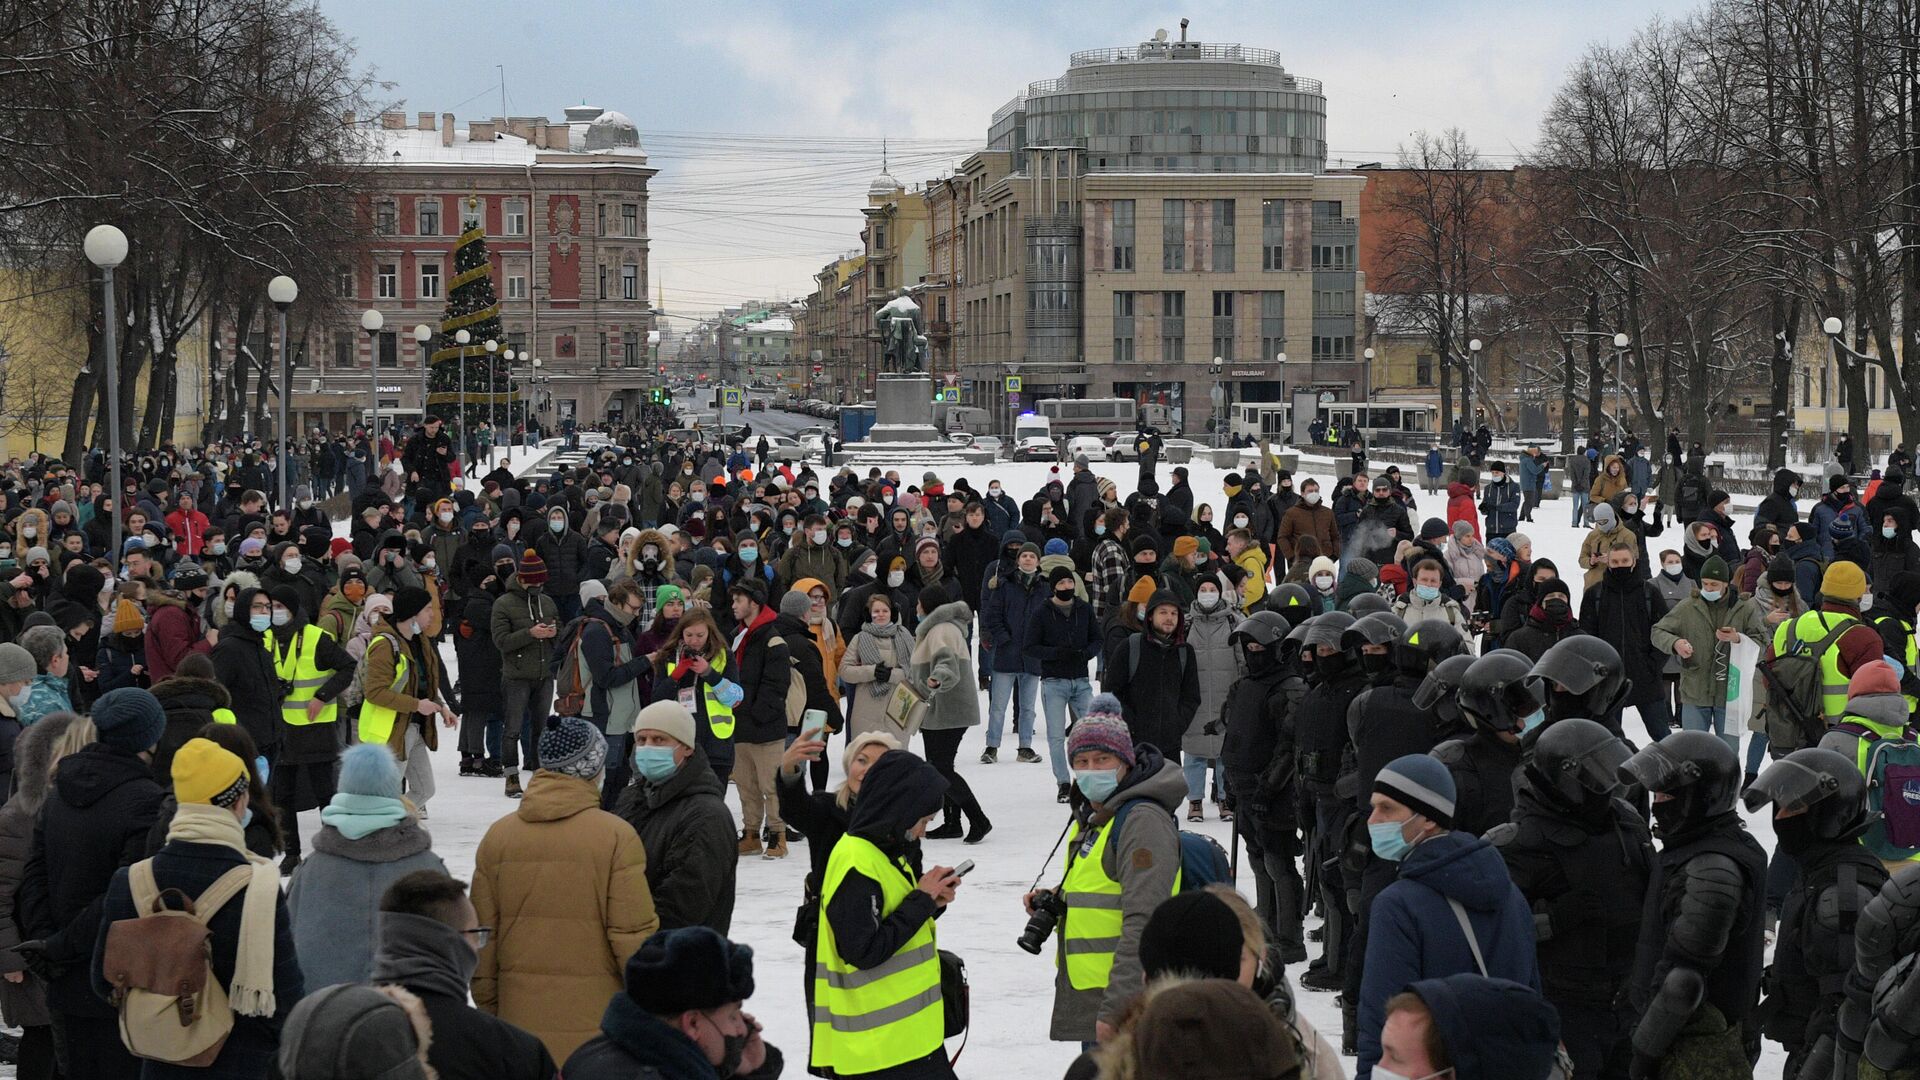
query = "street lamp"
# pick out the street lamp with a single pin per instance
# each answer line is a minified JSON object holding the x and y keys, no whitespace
{"x":106,"y":248}
{"x":422,"y":333}
{"x":492,"y":347}
{"x":283,"y":292}
{"x":371,"y":321}
{"x":462,"y":338}
{"x":1832,"y":325}
{"x":493,"y":388}
{"x":1620,"y":343}
{"x":1473,"y":371}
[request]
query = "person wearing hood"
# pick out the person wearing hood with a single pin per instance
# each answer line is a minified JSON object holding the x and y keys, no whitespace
{"x":1470,"y":1027}
{"x":369,"y":838}
{"x":564,"y":553}
{"x":1154,"y":676}
{"x":428,"y":941}
{"x":1701,"y":631}
{"x":524,"y":622}
{"x":481,"y":722}
{"x":242,"y":664}
{"x":680,"y":1016}
{"x":1609,"y":479}
{"x":1462,"y":509}
{"x":678,"y":807}
{"x":1211,"y":624}
{"x":406,"y":691}
{"x":874,"y":916}
{"x":1003,"y":513}
{"x":1012,"y":590}
{"x":1593,"y":547}
{"x":1778,"y":509}
{"x":1838,"y":501}
{"x":1891,"y":548}
{"x":316,"y":669}
{"x":803,"y":621}
{"x":1549,"y":620}
{"x":287,"y":569}
{"x":1890,"y":496}
{"x":1445,"y":879}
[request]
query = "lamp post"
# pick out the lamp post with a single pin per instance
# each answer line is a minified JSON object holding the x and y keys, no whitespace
{"x":283,"y":292}
{"x":106,"y":248}
{"x":505,"y":413}
{"x":371,"y":321}
{"x":533,"y":384}
{"x":423,"y":334}
{"x":461,"y":338}
{"x":1620,"y":343}
{"x":1473,"y":372}
{"x":1832,"y":325}
{"x":1366,"y":376}
{"x":493,"y":350}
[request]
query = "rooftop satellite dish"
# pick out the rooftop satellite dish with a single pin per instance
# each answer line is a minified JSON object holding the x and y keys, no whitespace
{"x":1160,"y":35}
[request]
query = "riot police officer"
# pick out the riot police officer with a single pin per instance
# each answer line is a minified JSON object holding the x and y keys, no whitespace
{"x":1374,"y":636}
{"x":1819,"y":803}
{"x":1582,"y":856}
{"x":1880,"y":1019}
{"x":1258,"y":756}
{"x":1583,"y":676}
{"x":1500,"y":704}
{"x":1330,"y":655}
{"x":1291,"y":601}
{"x":1697,"y":968}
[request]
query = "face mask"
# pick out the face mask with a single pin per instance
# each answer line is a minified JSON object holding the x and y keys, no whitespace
{"x":1208,"y":600}
{"x":1866,"y":602}
{"x":1533,"y":720}
{"x":29,"y":531}
{"x":654,"y":762}
{"x":19,"y":700}
{"x":1388,"y":840}
{"x":1669,"y":816}
{"x":1428,"y":593}
{"x":354,"y":591}
{"x":1099,"y":530}
{"x":513,"y":528}
{"x":1711,"y":595}
{"x":1064,"y":597}
{"x":1240,"y":522}
{"x":698,"y":496}
{"x":1887,"y":532}
{"x":1671,"y":569}
{"x":818,"y":536}
{"x":1097,"y":784}
{"x":260,"y":623}
{"x":1312,"y":498}
{"x":1323,"y":582}
{"x":1555,"y":609}
{"x":558,"y":525}
{"x":282,"y":617}
{"x":446,"y":517}
{"x":414,"y":628}
{"x":217,"y":548}
{"x":227,"y":609}
{"x":292,"y":566}
{"x":994,"y":491}
{"x":895,"y":578}
{"x":1140,"y":611}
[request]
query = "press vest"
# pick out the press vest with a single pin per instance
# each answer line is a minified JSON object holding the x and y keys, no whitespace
{"x":1090,"y":933}
{"x":1809,"y":628}
{"x":376,"y":721}
{"x":869,"y":1019}
{"x":719,"y":717}
{"x":303,"y":677}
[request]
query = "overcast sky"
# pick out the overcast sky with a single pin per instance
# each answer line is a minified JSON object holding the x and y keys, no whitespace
{"x":767,"y":124}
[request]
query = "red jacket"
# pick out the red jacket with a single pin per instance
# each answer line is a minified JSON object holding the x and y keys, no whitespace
{"x":1460,"y":506}
{"x":174,"y":632}
{"x":189,"y":529}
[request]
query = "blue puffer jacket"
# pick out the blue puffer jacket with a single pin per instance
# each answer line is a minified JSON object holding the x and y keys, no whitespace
{"x":1415,"y":935}
{"x":1006,"y":603}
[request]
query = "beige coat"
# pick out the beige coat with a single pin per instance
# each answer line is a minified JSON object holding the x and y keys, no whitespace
{"x":564,"y":885}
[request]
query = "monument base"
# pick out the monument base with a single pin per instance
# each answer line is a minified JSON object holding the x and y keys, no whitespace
{"x":903,"y":411}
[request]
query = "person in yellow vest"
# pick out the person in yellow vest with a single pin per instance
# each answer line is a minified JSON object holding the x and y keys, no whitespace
{"x":1843,"y":591}
{"x":1876,"y":713}
{"x":405,"y":692}
{"x":877,"y":1010}
{"x":314,"y":669}
{"x":1114,"y":877}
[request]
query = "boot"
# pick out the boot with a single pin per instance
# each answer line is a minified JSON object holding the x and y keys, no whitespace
{"x":513,"y":784}
{"x":949,"y":827}
{"x":1194,"y":812}
{"x":1062,"y":797}
{"x":491,"y":767}
{"x":468,"y":766}
{"x":980,"y":828}
{"x":778,"y":848}
{"x":990,"y":755}
{"x":749,"y":844}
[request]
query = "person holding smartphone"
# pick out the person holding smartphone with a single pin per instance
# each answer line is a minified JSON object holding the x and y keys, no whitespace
{"x":692,"y":667}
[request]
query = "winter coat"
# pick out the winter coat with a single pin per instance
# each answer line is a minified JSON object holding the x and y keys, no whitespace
{"x":970,"y":551}
{"x":1622,"y":612}
{"x":811,"y":664}
{"x":315,"y":744}
{"x":423,"y":680}
{"x":1304,"y":520}
{"x":1500,"y":502}
{"x":689,"y":838}
{"x":1415,"y":934}
{"x":1006,"y":602}
{"x":633,"y":1044}
{"x":762,"y":662}
{"x":477,"y":655}
{"x":190,"y":705}
{"x":1822,"y":516}
{"x":1890,"y":557}
{"x":174,"y":632}
{"x":566,"y":558}
{"x":1533,"y":472}
{"x":241,"y":663}
{"x":942,"y":669}
{"x":522,"y":656}
{"x":1445,"y":609}
{"x":45,"y":694}
{"x":1537,"y":634}
{"x":1059,"y":643}
{"x":866,"y":710}
{"x":1461,"y":507}
{"x":1210,"y":636}
{"x":1606,"y":485}
{"x":334,"y":897}
{"x":1777,"y":508}
{"x":621,"y":678}
{"x":424,"y":955}
{"x":1161,"y":696}
{"x":807,"y":560}
{"x":25,"y":1003}
{"x":1580,"y":473}
{"x":1382,"y":524}
{"x":1703,"y":677}
{"x":563,"y":883}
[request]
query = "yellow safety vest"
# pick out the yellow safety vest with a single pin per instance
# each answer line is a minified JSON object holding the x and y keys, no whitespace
{"x":376,"y":721}
{"x":869,"y":1019}
{"x":1912,"y":656}
{"x":1090,"y":933}
{"x":719,"y":717}
{"x":1862,"y":755}
{"x":303,"y":677}
{"x":1809,"y":629}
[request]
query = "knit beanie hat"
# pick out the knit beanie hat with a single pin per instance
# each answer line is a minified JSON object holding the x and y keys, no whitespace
{"x":592,"y":589}
{"x":501,"y":553}
{"x":795,"y":603}
{"x":1142,"y":590}
{"x":1843,"y":580}
{"x":1365,"y":568}
{"x":1422,"y":784}
{"x":1838,"y":481}
{"x":1714,"y":569}
{"x":1030,"y":547}
{"x":1874,"y":678}
{"x":127,"y":618}
{"x":1185,"y":545}
{"x":369,"y":769}
{"x":532,"y":569}
{"x":1433,"y":529}
{"x":1055,"y":546}
{"x":1780,"y":568}
{"x":667,"y":594}
{"x":129,"y":718}
{"x":1105,"y":487}
{"x":207,"y":773}
{"x":670,"y":718}
{"x":1102,"y":728}
{"x":355,"y":1032}
{"x":1321,"y":565}
{"x":1520,"y":540}
{"x":1059,"y":574}
{"x":1463,"y":529}
{"x":1194,"y":933}
{"x":691,"y":967}
{"x":408,"y":601}
{"x":573,"y":747}
{"x":16,"y":665}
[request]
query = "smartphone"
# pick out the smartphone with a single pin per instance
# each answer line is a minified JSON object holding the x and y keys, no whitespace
{"x":963,"y":869}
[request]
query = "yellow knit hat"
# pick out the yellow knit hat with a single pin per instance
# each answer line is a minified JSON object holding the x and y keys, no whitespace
{"x":1843,"y":580}
{"x":1185,"y":545}
{"x":1142,"y":591}
{"x":127,"y":618}
{"x":204,"y":771}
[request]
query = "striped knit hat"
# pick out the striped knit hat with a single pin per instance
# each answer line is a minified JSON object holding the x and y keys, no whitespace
{"x":1420,"y":783}
{"x":1102,"y":728}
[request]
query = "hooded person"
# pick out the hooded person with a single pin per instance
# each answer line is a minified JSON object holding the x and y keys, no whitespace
{"x":1472,"y":1028}
{"x":242,"y":664}
{"x":369,"y":838}
{"x":317,"y":669}
{"x":680,"y":1015}
{"x":352,"y":1032}
{"x":678,"y":807}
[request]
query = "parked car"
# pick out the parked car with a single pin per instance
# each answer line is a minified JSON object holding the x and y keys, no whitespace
{"x":758,"y":404}
{"x":990,"y":442}
{"x":1090,"y":445}
{"x":1036,"y":448}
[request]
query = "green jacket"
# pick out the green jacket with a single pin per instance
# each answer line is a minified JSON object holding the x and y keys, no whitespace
{"x":523,"y":656}
{"x":1703,"y":677}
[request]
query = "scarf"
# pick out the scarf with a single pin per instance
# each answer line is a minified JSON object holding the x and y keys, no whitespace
{"x":252,"y":991}
{"x":356,"y":816}
{"x":424,"y":955}
{"x":867,"y":645}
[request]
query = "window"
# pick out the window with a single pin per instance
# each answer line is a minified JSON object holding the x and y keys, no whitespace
{"x":1333,"y":301}
{"x":1123,"y":328}
{"x":1123,"y":234}
{"x":1333,"y":349}
{"x":1326,"y":209}
{"x":1333,"y":256}
{"x":1223,"y":235}
{"x":517,"y":283}
{"x":1173,"y":234}
{"x":1273,"y":325}
{"x":429,"y":281}
{"x":879,"y":238}
{"x":602,"y":209}
{"x":346,"y":283}
{"x":343,"y":348}
{"x":513,"y":217}
{"x":879,"y":278}
{"x":427,"y":215}
{"x":629,"y":282}
{"x":629,"y":219}
{"x":1223,"y":324}
{"x":388,"y":350}
{"x":1423,"y":369}
{"x":386,"y":280}
{"x":630,"y":347}
{"x":1273,"y":234}
{"x":386,"y":218}
{"x":1173,"y":327}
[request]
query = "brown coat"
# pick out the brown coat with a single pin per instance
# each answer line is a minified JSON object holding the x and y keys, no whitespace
{"x":404,"y":699}
{"x":1315,"y":521}
{"x":564,"y":885}
{"x":1604,"y":486}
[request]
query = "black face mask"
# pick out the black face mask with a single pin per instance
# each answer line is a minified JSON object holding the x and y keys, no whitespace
{"x":1376,"y":663}
{"x":1331,"y":667}
{"x":1556,"y":610}
{"x":1063,"y":597}
{"x":733,"y":1048}
{"x":1620,"y":573}
{"x":1796,"y":833}
{"x":1669,"y":816}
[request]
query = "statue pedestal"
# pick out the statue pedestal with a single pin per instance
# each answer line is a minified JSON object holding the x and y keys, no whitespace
{"x":903,"y":411}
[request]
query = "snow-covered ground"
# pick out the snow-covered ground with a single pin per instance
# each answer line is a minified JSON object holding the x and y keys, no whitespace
{"x":1012,"y":991}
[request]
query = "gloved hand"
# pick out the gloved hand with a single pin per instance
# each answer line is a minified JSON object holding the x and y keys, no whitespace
{"x":882,"y":672}
{"x":34,"y":955}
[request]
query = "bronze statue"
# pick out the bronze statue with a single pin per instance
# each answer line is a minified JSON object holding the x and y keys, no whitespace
{"x":902,"y":334}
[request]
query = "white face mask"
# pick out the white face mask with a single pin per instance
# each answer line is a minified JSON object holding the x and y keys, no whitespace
{"x":1208,"y":600}
{"x":896,"y":578}
{"x":446,"y":517}
{"x":1240,"y":522}
{"x":1312,"y":498}
{"x":1323,"y":582}
{"x":292,"y":566}
{"x":818,"y":536}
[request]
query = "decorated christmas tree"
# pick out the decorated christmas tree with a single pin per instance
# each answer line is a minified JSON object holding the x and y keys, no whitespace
{"x":469,"y":386}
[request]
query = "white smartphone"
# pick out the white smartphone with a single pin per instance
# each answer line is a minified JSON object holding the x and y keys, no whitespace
{"x":963,"y":869}
{"x":813,"y":724}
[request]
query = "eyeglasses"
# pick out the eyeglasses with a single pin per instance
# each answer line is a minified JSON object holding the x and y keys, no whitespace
{"x":479,"y":936}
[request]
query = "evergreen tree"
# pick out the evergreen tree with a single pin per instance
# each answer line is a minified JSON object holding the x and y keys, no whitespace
{"x":485,"y":377}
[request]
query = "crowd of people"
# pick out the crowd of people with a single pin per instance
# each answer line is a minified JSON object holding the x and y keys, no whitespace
{"x":1415,"y":732}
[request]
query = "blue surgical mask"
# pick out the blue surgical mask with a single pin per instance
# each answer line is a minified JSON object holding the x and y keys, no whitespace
{"x":748,"y":554}
{"x":557,"y":524}
{"x":1099,"y":530}
{"x":246,"y":819}
{"x":1711,"y":595}
{"x":1888,"y":531}
{"x":654,"y":762}
{"x":1097,"y":784}
{"x":259,"y":622}
{"x":1428,"y":593}
{"x":1533,"y":720}
{"x":263,"y":769}
{"x":1388,"y":839}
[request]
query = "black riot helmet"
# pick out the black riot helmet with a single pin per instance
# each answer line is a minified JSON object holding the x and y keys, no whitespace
{"x":1496,"y":693}
{"x":1382,"y":628}
{"x":1368,"y":603}
{"x":1824,"y":793}
{"x":1425,"y":644}
{"x":1592,"y":679}
{"x":1266,"y":630}
{"x":1291,"y":602}
{"x":1697,"y":770}
{"x":1577,"y":762}
{"x":1437,"y":691}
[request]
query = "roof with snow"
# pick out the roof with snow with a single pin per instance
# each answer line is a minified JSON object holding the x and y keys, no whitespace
{"x":609,"y":138}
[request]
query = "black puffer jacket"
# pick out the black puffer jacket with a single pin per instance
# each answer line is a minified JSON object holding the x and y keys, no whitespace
{"x":565,"y":554}
{"x":95,"y":821}
{"x":690,"y":840}
{"x":240,"y":661}
{"x":189,"y":703}
{"x":1160,"y":694}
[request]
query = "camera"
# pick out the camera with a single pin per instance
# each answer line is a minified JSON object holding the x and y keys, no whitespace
{"x":1049,"y":907}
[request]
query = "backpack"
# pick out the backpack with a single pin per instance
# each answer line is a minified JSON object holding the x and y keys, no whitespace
{"x":1133,"y":657}
{"x":160,"y":964}
{"x":796,"y":686}
{"x":1203,"y":861}
{"x":1893,"y":793}
{"x":572,"y":678}
{"x":1795,"y":719}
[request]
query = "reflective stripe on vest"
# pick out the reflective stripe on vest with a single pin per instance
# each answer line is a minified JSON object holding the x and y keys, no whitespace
{"x":303,"y":677}
{"x":719,"y":717}
{"x":376,"y":721}
{"x":869,"y":1019}
{"x":1090,"y":933}
{"x":1808,"y":629}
